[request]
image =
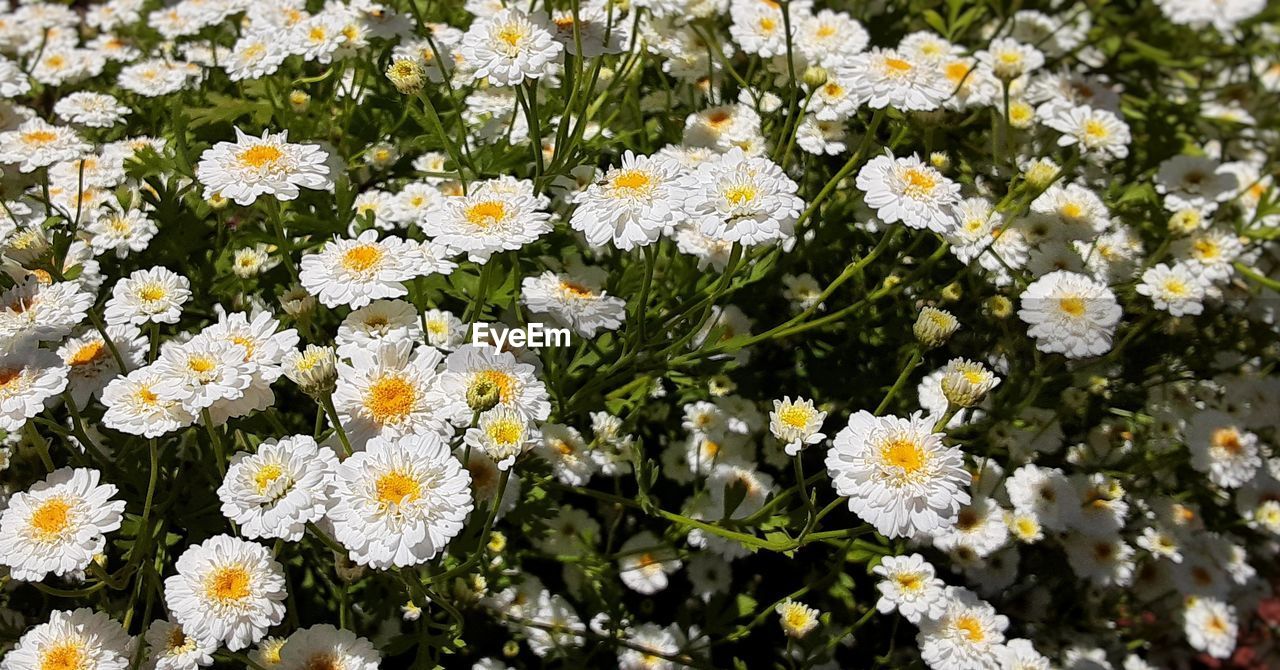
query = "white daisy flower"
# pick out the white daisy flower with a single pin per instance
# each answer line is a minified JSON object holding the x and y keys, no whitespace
{"x":1098,"y":132}
{"x":324,"y":646}
{"x":631,"y":206}
{"x":967,"y":636}
{"x":910,"y":191}
{"x":202,"y":371}
{"x":1210,"y":253}
{"x":34,"y":311}
{"x":489,"y":219}
{"x":134,"y":405}
{"x":385,"y":391}
{"x":965,"y":383}
{"x":888,"y":78}
{"x":650,"y":644}
{"x":379,"y":321}
{"x":256,"y":54}
{"x":1009,"y":59}
{"x":741,"y":198}
{"x":400,"y":502}
{"x":1211,"y":626}
{"x":171,"y":648}
{"x":508,"y":47}
{"x":58,"y":525}
{"x":909,"y":585}
{"x":574,"y":299}
{"x":278,"y":490}
{"x":898,"y":474}
{"x":1222,"y":449}
{"x":36,"y":144}
{"x":568,"y":454}
{"x":268,"y":165}
{"x":154,"y":295}
{"x":1176,"y":290}
{"x":72,"y":639}
{"x":477,"y":377}
{"x":644,"y":563}
{"x":444,"y":330}
{"x":121,"y":231}
{"x":90,"y":364}
{"x":503,"y":434}
{"x":796,"y":423}
{"x":357,"y":272}
{"x":28,"y":379}
{"x":828,"y":38}
{"x":155,"y":77}
{"x":1070,"y":313}
{"x":93,"y":110}
{"x":227,"y":590}
{"x":797,"y":619}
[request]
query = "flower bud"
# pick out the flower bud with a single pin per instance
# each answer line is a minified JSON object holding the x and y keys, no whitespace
{"x":299,"y":100}
{"x":297,"y":303}
{"x":965,"y":383}
{"x":1000,"y":306}
{"x":934,"y":327}
{"x":814,"y":76}
{"x":407,"y":75}
{"x":1185,"y":222}
{"x":940,"y":160}
{"x":483,"y":395}
{"x":1040,"y":173}
{"x":314,"y":369}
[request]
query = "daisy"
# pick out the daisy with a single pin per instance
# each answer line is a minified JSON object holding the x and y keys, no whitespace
{"x":379,"y":321}
{"x":965,"y":383}
{"x":1098,"y":132}
{"x":58,"y":525}
{"x":399,"y":502}
{"x":1195,"y":182}
{"x":489,"y":219}
{"x":797,"y":619}
{"x":28,"y":379}
{"x":967,"y":636}
{"x":324,"y":646}
{"x":227,"y":590}
{"x":268,"y":165}
{"x":72,"y":639}
{"x":508,"y":47}
{"x":93,"y":110}
{"x":201,"y":372}
{"x":898,"y":474}
{"x":1105,"y":561}
{"x":568,"y":453}
{"x":796,"y":423}
{"x":171,"y":648}
{"x":909,"y":585}
{"x":256,"y":54}
{"x":908,"y":190}
{"x":503,"y":434}
{"x":828,"y":38}
{"x":154,"y":78}
{"x":444,"y":330}
{"x":741,"y":198}
{"x":631,"y":206}
{"x":478,"y":377}
{"x":650,"y":644}
{"x":888,"y":78}
{"x":385,"y":391}
{"x":134,"y":405}
{"x":277,"y":491}
{"x":1210,"y":253}
{"x":1221,"y":449}
{"x":36,"y":144}
{"x":645,"y":562}
{"x":121,"y":231}
{"x":357,"y":272}
{"x":155,"y":295}
{"x":90,"y":364}
{"x":574,"y":299}
{"x":1176,"y":290}
{"x":1070,"y":313}
{"x":759,"y":28}
{"x":1211,"y":626}
{"x":34,"y":311}
{"x":1009,"y":59}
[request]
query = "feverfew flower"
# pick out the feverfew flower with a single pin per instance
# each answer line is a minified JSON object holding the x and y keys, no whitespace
{"x":888,"y":78}
{"x":398,"y":503}
{"x":58,"y":525}
{"x":1177,"y":290}
{"x":384,"y":391}
{"x":93,"y":110}
{"x":28,"y":378}
{"x":324,"y":646}
{"x":508,"y":47}
{"x":489,"y":219}
{"x":478,"y":377}
{"x":1222,"y":449}
{"x":36,"y":144}
{"x":171,"y":648}
{"x":574,"y":299}
{"x":796,"y":423}
{"x":86,"y":638}
{"x":277,"y":491}
{"x":357,"y":272}
{"x":908,"y":190}
{"x":741,"y":198}
{"x":967,"y":636}
{"x":1211,"y":626}
{"x":965,"y":383}
{"x":1009,"y":59}
{"x":1070,"y":313}
{"x":631,"y":206}
{"x":268,"y":165}
{"x":1098,"y":132}
{"x":227,"y":590}
{"x":898,"y":474}
{"x":797,"y":619}
{"x":121,"y":231}
{"x":503,"y":434}
{"x":909,"y":585}
{"x":644,"y":563}
{"x":155,"y":295}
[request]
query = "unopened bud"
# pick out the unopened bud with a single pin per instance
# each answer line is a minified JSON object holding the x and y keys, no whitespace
{"x":814,"y":76}
{"x":297,"y":303}
{"x":965,"y":383}
{"x":407,"y":75}
{"x":299,"y":100}
{"x":483,"y":395}
{"x":934,"y":327}
{"x":313,"y":369}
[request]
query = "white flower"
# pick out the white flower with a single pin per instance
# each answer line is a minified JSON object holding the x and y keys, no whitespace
{"x":268,"y":165}
{"x":154,"y":295}
{"x":227,"y":590}
{"x":568,"y":454}
{"x":256,"y":54}
{"x":278,"y":490}
{"x":828,"y":38}
{"x":574,"y":299}
{"x":28,"y":378}
{"x":797,"y":619}
{"x":357,"y":272}
{"x":796,"y":423}
{"x":155,"y":77}
{"x":887,"y":78}
{"x":477,"y":377}
{"x":90,"y":363}
{"x":1223,"y":450}
{"x":741,"y":198}
{"x":1097,"y":131}
{"x":94,"y":110}
{"x":36,"y":144}
{"x":503,"y":434}
{"x":1070,"y":313}
{"x":385,"y":391}
{"x":1211,"y":626}
{"x":400,"y":502}
{"x":379,"y":321}
{"x":965,"y":383}
{"x":898,"y":474}
{"x":1009,"y":59}
{"x":1176,"y":290}
{"x":647,"y":641}
{"x":1195,"y":182}
{"x":909,"y":585}
{"x":967,"y":636}
{"x":908,"y":190}
{"x":71,"y":639}
{"x":489,"y":219}
{"x":1105,"y":560}
{"x":171,"y":648}
{"x":444,"y":330}
{"x":324,"y":646}
{"x":202,"y":371}
{"x":631,"y":206}
{"x":134,"y":405}
{"x":508,"y":47}
{"x":33,"y":312}
{"x":58,"y":525}
{"x":121,"y":231}
{"x":644,"y":563}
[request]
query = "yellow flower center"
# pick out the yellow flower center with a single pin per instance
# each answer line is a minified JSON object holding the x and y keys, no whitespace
{"x":633,"y":180}
{"x":260,"y":156}
{"x":39,"y":137}
{"x":396,"y":488}
{"x":362,"y":257}
{"x":505,"y":383}
{"x":486,"y":214}
{"x":903,"y":453}
{"x":1228,"y":440}
{"x":391,"y":398}
{"x":826,"y":30}
{"x":151,"y":292}
{"x":795,"y":416}
{"x":1073,"y":306}
{"x":87,"y":354}
{"x":68,"y":655}
{"x":740,"y":194}
{"x":971,"y":627}
{"x":897,"y":66}
{"x":1071,"y":210}
{"x":511,"y":35}
{"x":910,"y":581}
{"x":201,"y":364}
{"x":918,"y":182}
{"x":506,"y":431}
{"x":51,"y":519}
{"x":265,"y":476}
{"x":576,"y":290}
{"x":228,"y":585}
{"x":1095,"y":130}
